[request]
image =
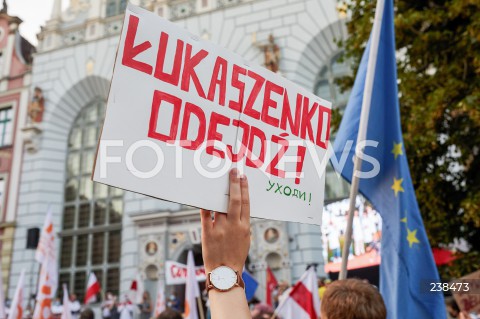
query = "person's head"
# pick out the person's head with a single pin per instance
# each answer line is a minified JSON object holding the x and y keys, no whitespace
{"x":321,"y":282}
{"x":146,"y":295}
{"x":87,"y":313}
{"x":262,"y":311}
{"x":170,"y":314}
{"x":282,"y":286}
{"x":73,"y":297}
{"x":352,"y":298}
{"x":254,"y":301}
{"x":452,"y":307}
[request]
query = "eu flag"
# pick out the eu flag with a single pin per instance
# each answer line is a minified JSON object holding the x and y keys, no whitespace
{"x":251,"y":284}
{"x":406,"y":259}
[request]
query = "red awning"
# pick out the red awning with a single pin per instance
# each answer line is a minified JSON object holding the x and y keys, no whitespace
{"x":441,"y":256}
{"x":366,"y":260}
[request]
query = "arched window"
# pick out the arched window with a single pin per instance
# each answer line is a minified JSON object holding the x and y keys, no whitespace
{"x":327,"y":88}
{"x":115,"y":7}
{"x":92,"y":215}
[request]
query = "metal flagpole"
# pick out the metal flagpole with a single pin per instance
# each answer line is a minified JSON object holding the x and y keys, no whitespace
{"x":200,"y":308}
{"x":362,"y":131}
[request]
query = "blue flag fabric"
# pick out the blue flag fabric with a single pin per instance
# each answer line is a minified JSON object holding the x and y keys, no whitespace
{"x":406,"y":260}
{"x":251,"y":284}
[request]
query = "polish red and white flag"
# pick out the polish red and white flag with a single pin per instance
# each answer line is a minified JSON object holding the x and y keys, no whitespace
{"x":137,"y":289}
{"x":93,"y":288}
{"x":302,"y":301}
{"x":133,"y":290}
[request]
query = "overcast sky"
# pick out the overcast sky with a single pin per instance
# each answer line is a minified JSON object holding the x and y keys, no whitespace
{"x":34,"y":13}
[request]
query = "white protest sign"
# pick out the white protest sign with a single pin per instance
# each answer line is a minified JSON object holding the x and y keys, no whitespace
{"x":176,"y":273}
{"x":182,"y":112}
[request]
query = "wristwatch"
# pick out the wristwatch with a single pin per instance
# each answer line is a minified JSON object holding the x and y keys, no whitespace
{"x":224,"y":278}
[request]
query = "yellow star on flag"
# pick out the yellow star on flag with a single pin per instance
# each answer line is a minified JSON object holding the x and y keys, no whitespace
{"x":397,"y":149}
{"x":397,"y":186}
{"x":412,"y":237}
{"x":404,"y":220}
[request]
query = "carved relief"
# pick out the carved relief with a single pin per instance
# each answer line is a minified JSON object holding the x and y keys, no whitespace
{"x":113,"y":27}
{"x":271,"y":235}
{"x":269,"y":246}
{"x":151,"y":248}
{"x":74,"y":37}
{"x":182,"y":9}
{"x":176,"y":240}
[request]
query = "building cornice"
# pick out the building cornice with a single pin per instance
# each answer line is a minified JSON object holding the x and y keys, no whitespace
{"x":163,"y":216}
{"x":175,"y":11}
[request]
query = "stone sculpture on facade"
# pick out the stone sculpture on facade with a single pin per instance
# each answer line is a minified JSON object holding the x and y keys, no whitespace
{"x":32,"y":130}
{"x":272,"y":54}
{"x":36,"y":106}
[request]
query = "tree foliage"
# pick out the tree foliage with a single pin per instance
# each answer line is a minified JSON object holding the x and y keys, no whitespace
{"x":438,"y":62}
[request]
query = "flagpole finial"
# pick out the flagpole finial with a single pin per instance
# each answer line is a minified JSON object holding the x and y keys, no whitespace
{"x":314,"y":265}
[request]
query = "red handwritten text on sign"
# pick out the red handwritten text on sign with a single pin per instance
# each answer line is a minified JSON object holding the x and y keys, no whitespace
{"x":299,"y":116}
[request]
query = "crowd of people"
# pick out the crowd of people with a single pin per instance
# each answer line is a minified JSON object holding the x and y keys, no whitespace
{"x":352,"y":298}
{"x":225,"y":241}
{"x":111,"y":308}
{"x":367,"y":229}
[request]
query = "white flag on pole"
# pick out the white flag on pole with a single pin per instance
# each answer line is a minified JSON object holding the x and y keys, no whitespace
{"x":66,"y":312}
{"x":48,"y":279}
{"x":160,"y":305}
{"x":16,"y":309}
{"x":191,"y":290}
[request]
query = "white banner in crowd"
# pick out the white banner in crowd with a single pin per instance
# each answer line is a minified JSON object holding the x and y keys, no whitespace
{"x":176,"y":273}
{"x":182,"y":112}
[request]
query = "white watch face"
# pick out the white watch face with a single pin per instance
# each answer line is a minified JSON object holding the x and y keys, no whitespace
{"x":223,"y":278}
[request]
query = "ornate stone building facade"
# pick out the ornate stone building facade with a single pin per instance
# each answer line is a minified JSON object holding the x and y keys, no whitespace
{"x":118,"y":234}
{"x":15,"y":78}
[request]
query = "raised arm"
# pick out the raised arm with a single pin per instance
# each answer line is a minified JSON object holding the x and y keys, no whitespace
{"x":225,"y":242}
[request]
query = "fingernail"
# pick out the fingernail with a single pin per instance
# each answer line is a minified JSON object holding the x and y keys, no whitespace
{"x":234,"y":172}
{"x":243,"y":177}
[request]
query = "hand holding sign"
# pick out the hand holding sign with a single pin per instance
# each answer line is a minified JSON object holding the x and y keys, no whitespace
{"x":226,"y":239}
{"x":225,"y":242}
